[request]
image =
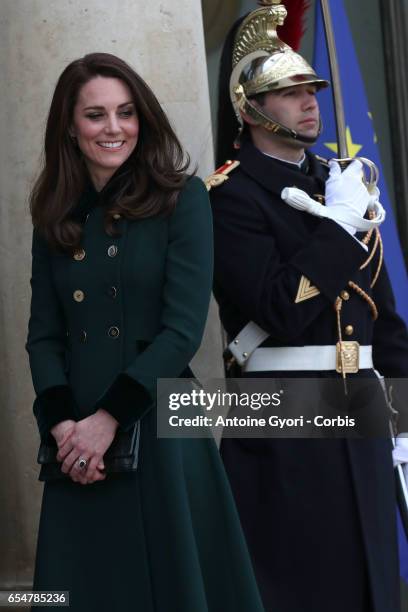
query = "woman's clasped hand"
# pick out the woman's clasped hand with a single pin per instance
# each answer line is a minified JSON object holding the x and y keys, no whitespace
{"x":82,"y":445}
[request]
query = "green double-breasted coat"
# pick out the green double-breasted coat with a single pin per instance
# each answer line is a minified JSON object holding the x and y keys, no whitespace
{"x":105,"y":325}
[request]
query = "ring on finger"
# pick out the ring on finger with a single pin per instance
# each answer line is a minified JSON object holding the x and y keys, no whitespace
{"x":82,"y":464}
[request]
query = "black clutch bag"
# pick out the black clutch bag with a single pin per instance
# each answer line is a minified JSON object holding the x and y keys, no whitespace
{"x":121,"y":456}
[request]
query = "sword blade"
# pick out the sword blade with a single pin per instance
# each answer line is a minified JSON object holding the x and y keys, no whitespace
{"x":336,"y":81}
{"x":402,"y":497}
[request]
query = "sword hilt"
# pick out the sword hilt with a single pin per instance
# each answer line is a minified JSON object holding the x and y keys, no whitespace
{"x":370,"y":170}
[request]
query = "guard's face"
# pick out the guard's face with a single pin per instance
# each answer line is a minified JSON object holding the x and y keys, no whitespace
{"x":295,"y":107}
{"x":106,"y":126}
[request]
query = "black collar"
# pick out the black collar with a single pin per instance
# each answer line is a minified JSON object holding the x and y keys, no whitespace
{"x":274,"y":175}
{"x":90,"y":198}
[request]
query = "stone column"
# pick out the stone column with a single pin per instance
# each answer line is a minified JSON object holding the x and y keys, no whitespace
{"x":163,"y":40}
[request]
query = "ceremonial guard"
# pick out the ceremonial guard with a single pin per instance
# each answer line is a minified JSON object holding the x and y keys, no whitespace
{"x":302,"y":291}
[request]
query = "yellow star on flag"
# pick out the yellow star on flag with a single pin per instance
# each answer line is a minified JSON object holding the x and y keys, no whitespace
{"x":352,"y":147}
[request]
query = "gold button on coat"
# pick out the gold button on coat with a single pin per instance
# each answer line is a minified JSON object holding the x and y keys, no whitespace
{"x":79,"y":255}
{"x":349,"y":330}
{"x":79,"y":295}
{"x":113,"y":250}
{"x":117,"y":216}
{"x":345,"y":295}
{"x":113,"y":332}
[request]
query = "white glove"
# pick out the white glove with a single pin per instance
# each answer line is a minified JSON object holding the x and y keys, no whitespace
{"x":347,"y":199}
{"x":347,"y":190}
{"x":400,"y":450}
{"x":335,"y":179}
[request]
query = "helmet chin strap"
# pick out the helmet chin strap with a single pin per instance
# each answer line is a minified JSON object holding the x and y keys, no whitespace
{"x":273,"y":126}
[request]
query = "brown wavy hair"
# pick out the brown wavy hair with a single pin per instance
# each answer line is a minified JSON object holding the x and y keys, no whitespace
{"x":147,"y":184}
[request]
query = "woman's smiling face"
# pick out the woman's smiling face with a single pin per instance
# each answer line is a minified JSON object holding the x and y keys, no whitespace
{"x":105,"y":125}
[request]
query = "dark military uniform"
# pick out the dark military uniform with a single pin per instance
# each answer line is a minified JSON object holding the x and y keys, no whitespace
{"x":105,"y":325}
{"x":319,"y":515}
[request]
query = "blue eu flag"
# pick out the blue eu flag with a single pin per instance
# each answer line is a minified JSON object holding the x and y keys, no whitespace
{"x":360,"y":134}
{"x":361,"y":141}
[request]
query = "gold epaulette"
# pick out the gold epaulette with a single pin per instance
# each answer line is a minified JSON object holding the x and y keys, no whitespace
{"x":321,"y":159}
{"x":220,"y":176}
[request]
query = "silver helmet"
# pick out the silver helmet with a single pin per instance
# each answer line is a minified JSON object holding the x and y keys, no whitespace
{"x":262,"y":62}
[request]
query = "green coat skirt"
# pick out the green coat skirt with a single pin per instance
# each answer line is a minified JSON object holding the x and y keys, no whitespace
{"x":164,"y":539}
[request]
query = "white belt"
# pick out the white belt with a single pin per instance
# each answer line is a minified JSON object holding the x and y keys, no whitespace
{"x":301,"y":358}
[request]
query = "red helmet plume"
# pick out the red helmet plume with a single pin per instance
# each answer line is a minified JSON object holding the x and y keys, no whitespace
{"x":294,"y":27}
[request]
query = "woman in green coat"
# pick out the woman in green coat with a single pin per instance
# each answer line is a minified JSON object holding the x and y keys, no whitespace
{"x":121,"y":281}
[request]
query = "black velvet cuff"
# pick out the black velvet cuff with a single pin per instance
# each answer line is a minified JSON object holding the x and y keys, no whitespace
{"x":52,"y":406}
{"x":126,"y":400}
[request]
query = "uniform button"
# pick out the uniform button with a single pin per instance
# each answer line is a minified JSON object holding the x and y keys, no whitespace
{"x":349,"y":330}
{"x":82,"y":336}
{"x":345,"y":295}
{"x":113,"y":250}
{"x":79,"y":255}
{"x":117,"y":216}
{"x":113,"y":332}
{"x":113,"y":292}
{"x":79,"y":295}
{"x":319,"y":197}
